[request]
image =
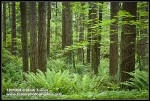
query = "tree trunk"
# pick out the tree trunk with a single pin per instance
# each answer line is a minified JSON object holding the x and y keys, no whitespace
{"x":77,"y":35}
{"x":33,"y":38}
{"x":48,"y":28}
{"x":128,"y":37}
{"x":81,"y":35}
{"x":10,"y":21}
{"x":63,"y":26}
{"x":42,"y":43}
{"x":4,"y":24}
{"x":77,"y":26}
{"x":67,"y":29}
{"x":99,"y":35}
{"x":142,"y":46}
{"x":89,"y":35}
{"x":24,"y":37}
{"x":113,"y":62}
{"x":56,"y":19}
{"x":9,"y":12}
{"x":13,"y":36}
{"x":94,"y":54}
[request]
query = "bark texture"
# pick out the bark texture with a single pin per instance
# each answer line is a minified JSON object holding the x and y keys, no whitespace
{"x":113,"y":62}
{"x":42,"y":37}
{"x":128,"y":37}
{"x":33,"y":38}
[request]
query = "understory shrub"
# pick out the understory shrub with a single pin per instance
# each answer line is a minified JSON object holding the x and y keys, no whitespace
{"x":65,"y":82}
{"x":139,"y":80}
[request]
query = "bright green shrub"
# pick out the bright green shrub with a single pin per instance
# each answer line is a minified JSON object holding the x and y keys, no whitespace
{"x":57,"y":64}
{"x":56,"y":82}
{"x":139,"y":80}
{"x":64,"y":82}
{"x":11,"y":67}
{"x":8,"y":84}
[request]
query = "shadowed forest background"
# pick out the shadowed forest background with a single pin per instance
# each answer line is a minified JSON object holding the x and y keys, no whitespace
{"x":82,"y":50}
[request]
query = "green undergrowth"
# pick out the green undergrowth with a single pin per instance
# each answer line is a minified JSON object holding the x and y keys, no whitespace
{"x":107,"y":95}
{"x":73,"y":83}
{"x":139,"y":80}
{"x":66,"y":82}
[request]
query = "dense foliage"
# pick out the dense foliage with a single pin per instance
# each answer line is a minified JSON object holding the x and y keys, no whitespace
{"x":77,"y":80}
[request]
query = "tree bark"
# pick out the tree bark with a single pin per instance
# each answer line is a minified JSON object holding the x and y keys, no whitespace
{"x":9,"y":12}
{"x":24,"y":37}
{"x":113,"y":62}
{"x":48,"y":28}
{"x":4,"y":24}
{"x":142,"y":46}
{"x":9,"y":7}
{"x":42,"y":43}
{"x":63,"y":26}
{"x":33,"y":38}
{"x":89,"y":34}
{"x":128,"y":37}
{"x":56,"y":29}
{"x":81,"y":35}
{"x":13,"y":35}
{"x":99,"y":35}
{"x":94,"y":53}
{"x":67,"y":29}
